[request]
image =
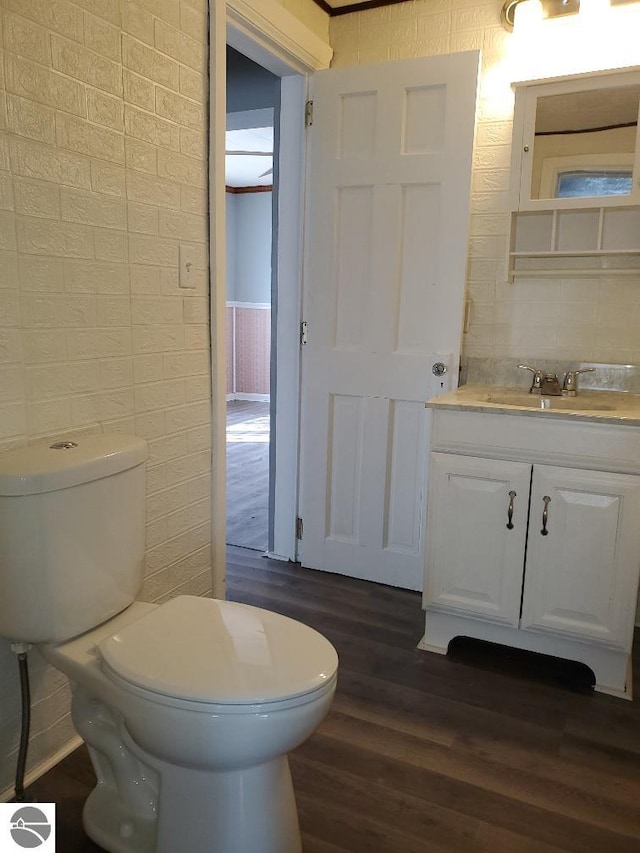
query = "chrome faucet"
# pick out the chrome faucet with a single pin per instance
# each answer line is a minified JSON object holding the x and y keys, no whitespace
{"x":570,"y":386}
{"x":545,"y":384}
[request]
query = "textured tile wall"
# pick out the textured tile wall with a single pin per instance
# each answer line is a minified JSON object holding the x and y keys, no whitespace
{"x":586,"y":319}
{"x":102,"y":177}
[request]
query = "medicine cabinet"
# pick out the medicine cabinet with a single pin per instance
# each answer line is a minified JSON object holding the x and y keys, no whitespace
{"x":575,"y":176}
{"x":575,"y":142}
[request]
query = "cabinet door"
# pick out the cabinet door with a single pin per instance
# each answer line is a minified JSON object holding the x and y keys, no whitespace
{"x":474,"y":561}
{"x":581,"y":577}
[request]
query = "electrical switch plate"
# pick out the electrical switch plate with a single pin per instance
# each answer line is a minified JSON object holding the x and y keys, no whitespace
{"x":187,"y":267}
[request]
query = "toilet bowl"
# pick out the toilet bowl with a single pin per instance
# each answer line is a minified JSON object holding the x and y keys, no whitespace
{"x":199,"y":700}
{"x":189,"y":708}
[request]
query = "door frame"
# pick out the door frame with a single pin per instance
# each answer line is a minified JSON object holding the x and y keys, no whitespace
{"x":265,"y":32}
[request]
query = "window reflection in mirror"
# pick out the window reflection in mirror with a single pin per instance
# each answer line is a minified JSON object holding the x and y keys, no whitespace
{"x":585,"y":143}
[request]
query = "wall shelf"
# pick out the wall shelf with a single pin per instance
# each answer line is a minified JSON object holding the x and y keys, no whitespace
{"x":602,"y":233}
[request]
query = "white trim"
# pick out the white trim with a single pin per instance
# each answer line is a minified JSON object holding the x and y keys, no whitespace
{"x":262,"y":305}
{"x":279,"y":557}
{"x":290,"y":200}
{"x":218,"y":289}
{"x":234,"y":339}
{"x":45,"y":766}
{"x":266,"y":32}
{"x":242,"y":395}
{"x":580,"y":77}
{"x":271,"y":36}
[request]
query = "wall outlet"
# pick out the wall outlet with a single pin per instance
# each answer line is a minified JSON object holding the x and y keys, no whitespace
{"x":187,"y":267}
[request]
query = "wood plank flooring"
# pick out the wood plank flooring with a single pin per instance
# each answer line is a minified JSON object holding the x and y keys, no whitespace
{"x":248,"y":474}
{"x":476,"y":752}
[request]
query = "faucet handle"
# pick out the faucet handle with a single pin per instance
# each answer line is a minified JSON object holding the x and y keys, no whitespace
{"x":570,"y":386}
{"x":536,"y":382}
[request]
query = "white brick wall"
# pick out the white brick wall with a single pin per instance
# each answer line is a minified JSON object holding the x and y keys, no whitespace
{"x":95,"y":334}
{"x":587,"y":319}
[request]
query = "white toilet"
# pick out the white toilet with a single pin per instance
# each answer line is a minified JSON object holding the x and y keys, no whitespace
{"x":188,"y":708}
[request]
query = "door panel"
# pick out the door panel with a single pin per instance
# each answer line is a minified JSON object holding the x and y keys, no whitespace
{"x":581,"y":577}
{"x":475,"y":562}
{"x":404,"y":483}
{"x":387,"y":230}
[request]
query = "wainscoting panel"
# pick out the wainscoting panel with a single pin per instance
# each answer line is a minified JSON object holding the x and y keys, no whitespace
{"x":248,"y":350}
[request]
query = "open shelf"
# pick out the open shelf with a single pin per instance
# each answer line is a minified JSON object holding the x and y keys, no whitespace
{"x":599,"y":232}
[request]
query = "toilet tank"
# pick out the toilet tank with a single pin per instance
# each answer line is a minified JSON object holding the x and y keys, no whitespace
{"x":72,"y":535}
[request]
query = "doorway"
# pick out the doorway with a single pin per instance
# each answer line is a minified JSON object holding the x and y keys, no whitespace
{"x":276,"y":39}
{"x":262,"y":364}
{"x":252,"y":97}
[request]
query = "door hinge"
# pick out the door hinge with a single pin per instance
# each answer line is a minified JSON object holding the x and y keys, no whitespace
{"x":299,"y":528}
{"x":304,"y":327}
{"x":308,"y":114}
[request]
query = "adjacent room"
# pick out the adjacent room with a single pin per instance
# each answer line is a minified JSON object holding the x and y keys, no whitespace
{"x":249,"y":178}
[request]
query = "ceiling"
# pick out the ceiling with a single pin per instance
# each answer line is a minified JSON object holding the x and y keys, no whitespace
{"x":243,"y":170}
{"x":343,"y":7}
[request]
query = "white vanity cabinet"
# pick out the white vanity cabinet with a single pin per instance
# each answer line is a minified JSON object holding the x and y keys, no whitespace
{"x":474,"y":562}
{"x":491,"y":571}
{"x":581,"y":578}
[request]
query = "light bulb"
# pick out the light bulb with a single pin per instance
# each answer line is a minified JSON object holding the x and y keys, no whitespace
{"x":528,"y":15}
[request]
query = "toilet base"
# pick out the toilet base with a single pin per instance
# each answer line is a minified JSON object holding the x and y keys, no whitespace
{"x":237,"y":811}
{"x":112,"y":826}
{"x":232,"y":812}
{"x":143,"y":804}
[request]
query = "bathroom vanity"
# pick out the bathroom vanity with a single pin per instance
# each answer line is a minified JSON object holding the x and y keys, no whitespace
{"x":533,"y":525}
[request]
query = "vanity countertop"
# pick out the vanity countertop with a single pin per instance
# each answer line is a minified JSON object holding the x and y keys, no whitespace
{"x":611,"y":407}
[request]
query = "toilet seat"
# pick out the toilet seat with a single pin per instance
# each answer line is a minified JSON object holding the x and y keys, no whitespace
{"x":193,"y":650}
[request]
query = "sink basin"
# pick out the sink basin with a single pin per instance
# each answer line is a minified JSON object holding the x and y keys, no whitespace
{"x":601,"y":406}
{"x":581,"y":403}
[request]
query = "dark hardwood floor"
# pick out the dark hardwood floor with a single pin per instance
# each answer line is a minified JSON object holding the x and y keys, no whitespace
{"x":482,"y":751}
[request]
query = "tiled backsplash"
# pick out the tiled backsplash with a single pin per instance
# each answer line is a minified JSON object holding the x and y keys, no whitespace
{"x":505,"y":371}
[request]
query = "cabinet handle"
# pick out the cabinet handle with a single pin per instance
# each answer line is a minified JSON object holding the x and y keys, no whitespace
{"x":545,"y":515}
{"x":512,"y":495}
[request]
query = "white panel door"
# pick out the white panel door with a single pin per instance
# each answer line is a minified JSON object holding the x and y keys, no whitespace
{"x":582,"y":576}
{"x":386,"y":245}
{"x":477,"y":518}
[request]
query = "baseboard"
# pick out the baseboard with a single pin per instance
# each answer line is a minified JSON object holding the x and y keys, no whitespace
{"x":279,"y":557}
{"x":44,"y":766}
{"x":254,"y":398}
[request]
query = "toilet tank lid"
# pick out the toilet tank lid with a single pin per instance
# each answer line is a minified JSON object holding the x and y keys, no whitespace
{"x":55,"y":465}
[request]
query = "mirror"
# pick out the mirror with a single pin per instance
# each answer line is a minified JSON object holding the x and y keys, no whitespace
{"x":575,"y":142}
{"x":585,"y":143}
